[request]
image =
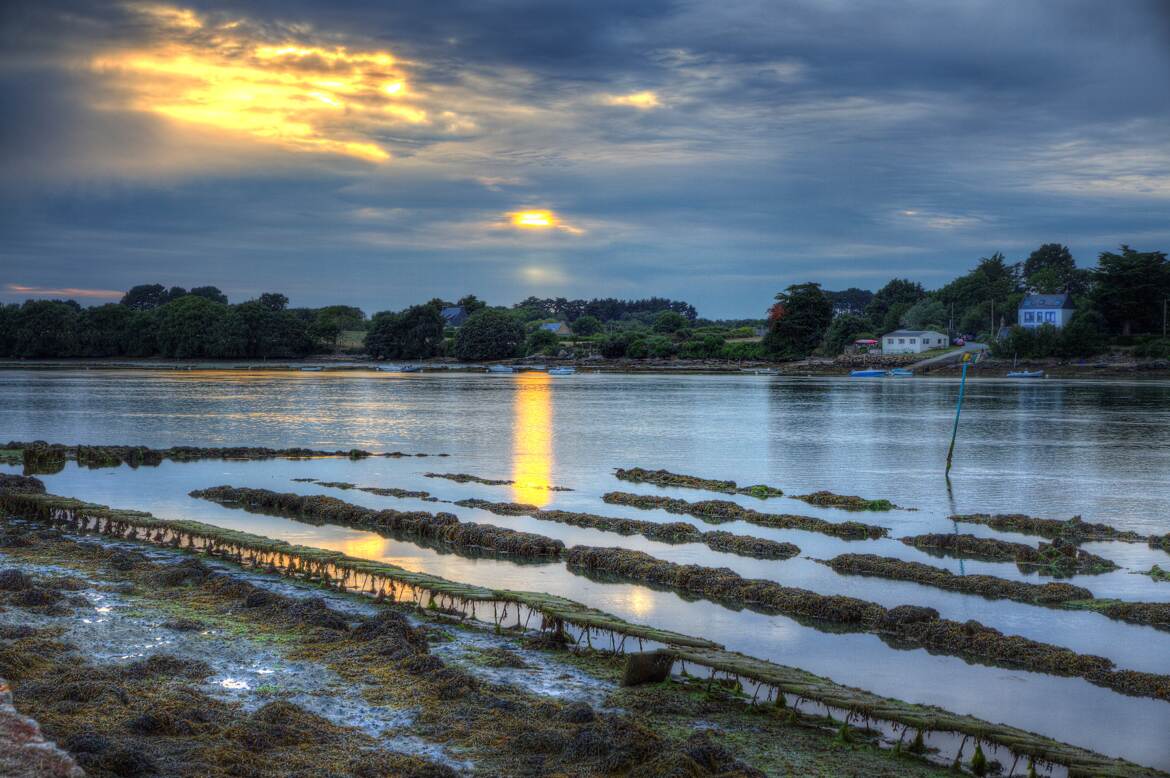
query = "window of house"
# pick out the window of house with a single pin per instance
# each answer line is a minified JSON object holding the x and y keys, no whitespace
{"x":913,"y":340}
{"x":901,"y":340}
{"x":1050,"y":316}
{"x":889,"y":341}
{"x":1029,"y":317}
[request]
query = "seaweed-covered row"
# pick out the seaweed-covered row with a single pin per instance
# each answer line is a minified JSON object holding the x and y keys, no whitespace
{"x":378,"y":490}
{"x":435,"y":526}
{"x":1057,"y":558}
{"x":984,"y":585}
{"x":640,"y":475}
{"x":909,"y":624}
{"x":467,"y":478}
{"x":847,"y":502}
{"x":41,"y":457}
{"x":1074,"y":530}
{"x":321,"y":566}
{"x":716,"y":511}
{"x":665,"y":532}
{"x":1160,"y":541}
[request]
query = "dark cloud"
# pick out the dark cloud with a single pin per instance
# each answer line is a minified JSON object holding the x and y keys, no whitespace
{"x":781,"y":142}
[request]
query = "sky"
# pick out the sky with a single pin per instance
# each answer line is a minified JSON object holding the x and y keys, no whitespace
{"x":380,"y":154}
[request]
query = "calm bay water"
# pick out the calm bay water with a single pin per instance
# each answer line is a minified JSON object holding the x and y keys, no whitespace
{"x":1048,"y":448}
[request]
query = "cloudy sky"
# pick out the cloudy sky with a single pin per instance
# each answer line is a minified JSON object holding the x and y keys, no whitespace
{"x":382,"y":153}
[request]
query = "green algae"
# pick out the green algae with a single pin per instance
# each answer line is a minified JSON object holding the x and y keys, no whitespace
{"x":1074,"y":530}
{"x":848,"y":502}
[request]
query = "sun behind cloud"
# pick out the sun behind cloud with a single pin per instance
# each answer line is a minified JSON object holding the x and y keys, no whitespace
{"x":644,"y":100}
{"x":540,"y":219}
{"x":297,"y":94}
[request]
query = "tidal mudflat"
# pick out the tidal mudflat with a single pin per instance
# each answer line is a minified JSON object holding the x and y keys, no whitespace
{"x":797,"y":437}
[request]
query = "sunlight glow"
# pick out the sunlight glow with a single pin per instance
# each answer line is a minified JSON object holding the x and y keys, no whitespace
{"x":540,"y":219}
{"x":641,"y":100}
{"x":296,"y":95}
{"x":532,"y":451}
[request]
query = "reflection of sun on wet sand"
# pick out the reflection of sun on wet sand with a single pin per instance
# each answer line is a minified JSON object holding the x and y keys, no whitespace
{"x":532,"y":439}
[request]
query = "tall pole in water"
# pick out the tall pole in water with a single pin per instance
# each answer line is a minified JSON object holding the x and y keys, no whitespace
{"x":958,"y":410}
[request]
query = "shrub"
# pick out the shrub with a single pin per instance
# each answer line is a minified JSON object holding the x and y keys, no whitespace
{"x":489,"y":334}
{"x":541,"y":340}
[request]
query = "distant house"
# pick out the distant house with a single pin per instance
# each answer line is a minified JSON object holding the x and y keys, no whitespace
{"x":557,"y":328}
{"x":1039,"y":309}
{"x":453,"y":316}
{"x":912,"y":341}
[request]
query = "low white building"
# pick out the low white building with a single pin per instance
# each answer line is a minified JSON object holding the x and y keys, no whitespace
{"x":1036,"y":310}
{"x":912,"y":341}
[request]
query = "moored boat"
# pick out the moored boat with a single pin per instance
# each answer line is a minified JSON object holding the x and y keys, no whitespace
{"x":867,"y":373}
{"x":500,"y":369}
{"x":562,"y":370}
{"x":1025,"y":374}
{"x":901,"y":372}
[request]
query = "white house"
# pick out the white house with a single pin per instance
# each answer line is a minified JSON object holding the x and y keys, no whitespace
{"x":1036,"y":310}
{"x":912,"y":341}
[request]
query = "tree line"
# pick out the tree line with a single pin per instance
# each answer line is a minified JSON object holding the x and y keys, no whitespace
{"x":1120,"y":301}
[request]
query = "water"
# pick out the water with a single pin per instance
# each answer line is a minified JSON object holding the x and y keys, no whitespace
{"x":1051,"y":448}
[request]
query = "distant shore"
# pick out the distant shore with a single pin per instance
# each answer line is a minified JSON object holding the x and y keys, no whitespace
{"x":987,"y":368}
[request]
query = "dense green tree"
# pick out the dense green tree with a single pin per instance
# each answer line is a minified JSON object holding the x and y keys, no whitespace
{"x":416,"y":333}
{"x":705,"y":346}
{"x":891,"y":301}
{"x":142,"y":333}
{"x":587,"y":325}
{"x":669,"y":321}
{"x":47,"y":328}
{"x":489,"y":334}
{"x":1083,"y":337}
{"x":842,"y":331}
{"x":540,"y":341}
{"x":327,"y":324}
{"x":470,"y":304}
{"x":851,"y":300}
{"x":211,"y":293}
{"x":145,"y":296}
{"x":800,"y":323}
{"x":1130,"y":289}
{"x":192,"y":327}
{"x":9,"y":320}
{"x":104,"y":331}
{"x":1051,"y":269}
{"x":273,"y":301}
{"x":926,"y":314}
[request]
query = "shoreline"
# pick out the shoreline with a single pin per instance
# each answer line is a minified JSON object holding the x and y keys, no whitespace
{"x":1152,"y":370}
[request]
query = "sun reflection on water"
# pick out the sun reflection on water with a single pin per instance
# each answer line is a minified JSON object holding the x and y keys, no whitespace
{"x":532,"y":453}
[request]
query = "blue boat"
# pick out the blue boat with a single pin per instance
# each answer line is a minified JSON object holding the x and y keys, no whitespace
{"x":867,"y":373}
{"x":562,"y":370}
{"x":1026,"y":374}
{"x":901,"y":372}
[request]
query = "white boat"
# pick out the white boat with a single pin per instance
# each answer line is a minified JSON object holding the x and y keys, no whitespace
{"x":1026,"y":374}
{"x":389,"y":368}
{"x":500,"y":369}
{"x":562,"y":370}
{"x":311,"y":369}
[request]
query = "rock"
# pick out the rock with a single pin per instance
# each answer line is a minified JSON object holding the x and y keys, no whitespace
{"x":24,"y":752}
{"x":13,"y":580}
{"x":577,"y":713}
{"x":647,"y":667}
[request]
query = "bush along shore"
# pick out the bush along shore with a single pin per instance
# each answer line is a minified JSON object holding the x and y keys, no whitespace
{"x":444,"y":527}
{"x":908,"y":624}
{"x":665,"y":532}
{"x":389,"y":583}
{"x":1059,"y":558}
{"x":40,"y":457}
{"x":640,"y":475}
{"x":718,"y":511}
{"x":1052,"y":594}
{"x":1072,"y":530}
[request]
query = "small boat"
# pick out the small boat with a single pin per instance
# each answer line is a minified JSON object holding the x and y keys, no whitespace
{"x":389,"y":368}
{"x":759,"y":370}
{"x":1025,"y":374}
{"x":500,"y":369}
{"x":562,"y":370}
{"x":867,"y":373}
{"x":311,"y":369}
{"x":901,"y":372}
{"x":411,"y":369}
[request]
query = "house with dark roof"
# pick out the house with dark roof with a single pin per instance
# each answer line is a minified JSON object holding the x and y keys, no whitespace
{"x":912,"y":341}
{"x":453,"y":316}
{"x":1036,"y":310}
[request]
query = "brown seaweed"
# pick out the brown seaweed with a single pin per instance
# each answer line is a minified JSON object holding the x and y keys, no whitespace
{"x":1057,"y":558}
{"x":640,"y":475}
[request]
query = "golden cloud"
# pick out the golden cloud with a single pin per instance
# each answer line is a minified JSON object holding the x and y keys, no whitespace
{"x":296,"y":94}
{"x":644,"y":100}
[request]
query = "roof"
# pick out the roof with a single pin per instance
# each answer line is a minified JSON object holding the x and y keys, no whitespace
{"x":454,"y":315}
{"x":1049,"y":301}
{"x":912,"y":333}
{"x":554,"y":326}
